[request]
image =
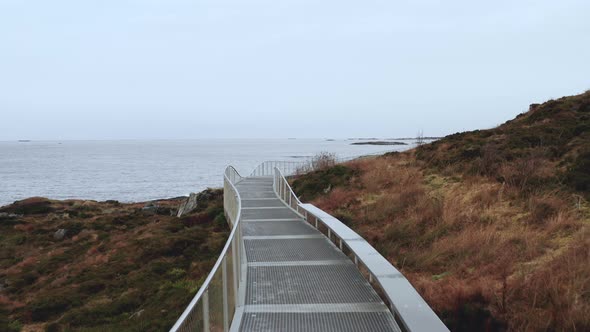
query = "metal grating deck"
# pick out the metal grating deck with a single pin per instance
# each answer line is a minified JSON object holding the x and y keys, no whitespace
{"x":308,"y":284}
{"x":268,"y":202}
{"x":260,"y":213}
{"x":291,"y":250}
{"x":297,"y":280}
{"x":319,"y":322}
{"x":277,"y":228}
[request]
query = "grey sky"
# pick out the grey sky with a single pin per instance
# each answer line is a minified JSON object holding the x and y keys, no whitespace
{"x":107,"y":69}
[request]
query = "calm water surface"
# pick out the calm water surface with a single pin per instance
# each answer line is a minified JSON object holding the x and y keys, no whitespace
{"x":144,"y":170}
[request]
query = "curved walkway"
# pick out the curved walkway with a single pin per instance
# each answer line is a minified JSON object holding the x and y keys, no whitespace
{"x":297,"y":280}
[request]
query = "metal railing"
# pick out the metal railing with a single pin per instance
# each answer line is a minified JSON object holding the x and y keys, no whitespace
{"x":282,"y":188}
{"x":217,"y":300}
{"x":292,"y":167}
{"x":407,"y":306}
{"x":287,"y":167}
{"x":213,"y":308}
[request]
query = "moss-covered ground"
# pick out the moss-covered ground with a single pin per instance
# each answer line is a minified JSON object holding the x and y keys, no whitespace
{"x":119,"y":267}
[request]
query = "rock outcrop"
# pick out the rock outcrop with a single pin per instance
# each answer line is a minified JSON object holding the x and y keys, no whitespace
{"x":188,"y":205}
{"x":60,"y":234}
{"x":193,"y":200}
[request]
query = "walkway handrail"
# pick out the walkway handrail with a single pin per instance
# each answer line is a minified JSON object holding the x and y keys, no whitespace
{"x":219,"y":292}
{"x":286,"y":166}
{"x":282,"y":188}
{"x":292,"y":167}
{"x":408,"y":307}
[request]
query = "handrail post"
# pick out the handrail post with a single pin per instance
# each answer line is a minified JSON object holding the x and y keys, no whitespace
{"x":225,"y":302}
{"x":235,"y":265}
{"x":241,"y":253}
{"x":206,"y":326}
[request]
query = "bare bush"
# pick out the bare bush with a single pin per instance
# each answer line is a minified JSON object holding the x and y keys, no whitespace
{"x":323,"y":160}
{"x":490,"y":160}
{"x":318,"y":162}
{"x":420,"y":138}
{"x":526,"y":171}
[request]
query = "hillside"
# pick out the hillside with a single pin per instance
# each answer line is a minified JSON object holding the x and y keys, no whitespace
{"x":545,"y":148}
{"x":113,"y":267}
{"x":491,"y":226}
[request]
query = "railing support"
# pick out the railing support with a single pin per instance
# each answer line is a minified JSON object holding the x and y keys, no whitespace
{"x":404,"y":301}
{"x":225,"y":302}
{"x":206,"y":326}
{"x":235,"y":262}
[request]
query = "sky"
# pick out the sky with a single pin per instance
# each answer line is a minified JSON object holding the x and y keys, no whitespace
{"x":180,"y":69}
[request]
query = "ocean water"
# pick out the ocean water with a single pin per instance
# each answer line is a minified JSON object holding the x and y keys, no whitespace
{"x":138,"y":170}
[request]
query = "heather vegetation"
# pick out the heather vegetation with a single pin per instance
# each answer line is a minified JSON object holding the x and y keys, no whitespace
{"x":112,"y":267}
{"x":491,"y":226}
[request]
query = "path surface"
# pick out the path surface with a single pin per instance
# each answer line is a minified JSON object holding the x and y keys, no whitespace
{"x":297,"y":280}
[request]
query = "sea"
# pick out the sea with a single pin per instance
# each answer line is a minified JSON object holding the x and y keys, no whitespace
{"x":143,"y":170}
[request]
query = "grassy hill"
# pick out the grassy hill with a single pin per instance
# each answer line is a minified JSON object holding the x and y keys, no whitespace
{"x":491,"y":226}
{"x":118,"y":267}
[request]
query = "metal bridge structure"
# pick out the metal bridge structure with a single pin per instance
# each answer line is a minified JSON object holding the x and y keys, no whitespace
{"x":289,"y":266}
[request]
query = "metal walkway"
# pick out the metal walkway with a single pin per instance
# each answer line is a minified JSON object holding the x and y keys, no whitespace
{"x":289,"y":266}
{"x":298,"y":280}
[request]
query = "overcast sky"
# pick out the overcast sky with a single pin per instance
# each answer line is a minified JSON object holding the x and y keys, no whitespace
{"x":111,"y":69}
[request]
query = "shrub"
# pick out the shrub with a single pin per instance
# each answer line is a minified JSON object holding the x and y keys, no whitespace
{"x":321,"y":182}
{"x":321,"y":161}
{"x":48,"y":307}
{"x":92,"y":286}
{"x":7,"y":325}
{"x":578,"y":174}
{"x":490,"y":160}
{"x":527,"y":172}
{"x":542,"y":209}
{"x":34,"y":205}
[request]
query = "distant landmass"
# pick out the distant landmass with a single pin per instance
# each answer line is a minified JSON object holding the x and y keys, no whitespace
{"x":379,"y":143}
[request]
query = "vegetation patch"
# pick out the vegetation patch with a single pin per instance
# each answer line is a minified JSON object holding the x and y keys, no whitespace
{"x":490,"y":226}
{"x":115,"y":269}
{"x":322,"y":181}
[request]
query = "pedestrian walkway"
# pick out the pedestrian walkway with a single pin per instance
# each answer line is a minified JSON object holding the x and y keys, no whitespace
{"x":298,"y":280}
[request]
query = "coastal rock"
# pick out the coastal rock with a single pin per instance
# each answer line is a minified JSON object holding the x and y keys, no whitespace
{"x":189,"y":205}
{"x":9,"y":215}
{"x":150,"y":208}
{"x":137,"y":314}
{"x":60,"y":234}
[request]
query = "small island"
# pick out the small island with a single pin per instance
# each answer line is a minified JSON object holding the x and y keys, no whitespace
{"x":378,"y":143}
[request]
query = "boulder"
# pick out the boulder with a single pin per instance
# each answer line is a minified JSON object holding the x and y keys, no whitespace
{"x":189,"y":205}
{"x":9,"y":215}
{"x":150,"y":208}
{"x":60,"y":234}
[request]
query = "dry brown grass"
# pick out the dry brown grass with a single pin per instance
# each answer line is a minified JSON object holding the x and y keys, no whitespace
{"x":485,"y":255}
{"x":556,"y":294}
